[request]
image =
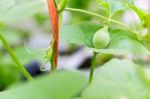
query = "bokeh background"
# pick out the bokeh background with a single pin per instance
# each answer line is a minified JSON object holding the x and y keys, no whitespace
{"x":29,"y":39}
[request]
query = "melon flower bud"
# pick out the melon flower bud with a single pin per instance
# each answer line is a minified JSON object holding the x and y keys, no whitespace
{"x":101,"y":38}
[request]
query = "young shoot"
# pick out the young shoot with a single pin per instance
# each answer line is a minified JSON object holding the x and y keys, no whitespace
{"x":47,"y":56}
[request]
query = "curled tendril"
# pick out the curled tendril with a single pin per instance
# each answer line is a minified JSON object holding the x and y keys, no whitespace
{"x":33,"y":51}
{"x":44,"y":67}
{"x":47,"y":56}
{"x":37,"y":50}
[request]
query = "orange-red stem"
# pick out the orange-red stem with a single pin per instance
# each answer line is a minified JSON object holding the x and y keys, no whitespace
{"x":55,"y":27}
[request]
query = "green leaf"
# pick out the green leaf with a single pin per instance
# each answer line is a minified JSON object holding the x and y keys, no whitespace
{"x":81,"y":34}
{"x":141,"y":14}
{"x":122,"y":42}
{"x":22,"y":1}
{"x":11,"y":36}
{"x":60,"y":85}
{"x":145,"y":41}
{"x":25,"y":57}
{"x":5,"y":5}
{"x":118,"y":79}
{"x":22,"y":11}
{"x":6,"y":71}
{"x":114,"y":6}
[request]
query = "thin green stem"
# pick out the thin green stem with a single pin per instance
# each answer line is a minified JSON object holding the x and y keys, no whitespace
{"x":86,"y":12}
{"x":52,"y":62}
{"x":14,"y":58}
{"x":92,"y":67}
{"x":60,"y":19}
{"x":102,"y":17}
{"x":125,"y":26}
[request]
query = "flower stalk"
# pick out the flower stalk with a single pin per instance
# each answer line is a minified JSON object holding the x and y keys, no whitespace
{"x":92,"y":67}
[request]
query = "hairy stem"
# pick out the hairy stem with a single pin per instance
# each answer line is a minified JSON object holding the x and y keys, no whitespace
{"x":102,"y":17}
{"x":14,"y":58}
{"x":92,"y":67}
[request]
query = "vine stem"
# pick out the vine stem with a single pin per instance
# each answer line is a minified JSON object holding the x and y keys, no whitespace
{"x":56,"y":20}
{"x":52,"y":7}
{"x":15,"y":59}
{"x":92,"y":67}
{"x":102,"y":17}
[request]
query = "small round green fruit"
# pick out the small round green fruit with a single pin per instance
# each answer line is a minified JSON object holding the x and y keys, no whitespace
{"x":101,"y":38}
